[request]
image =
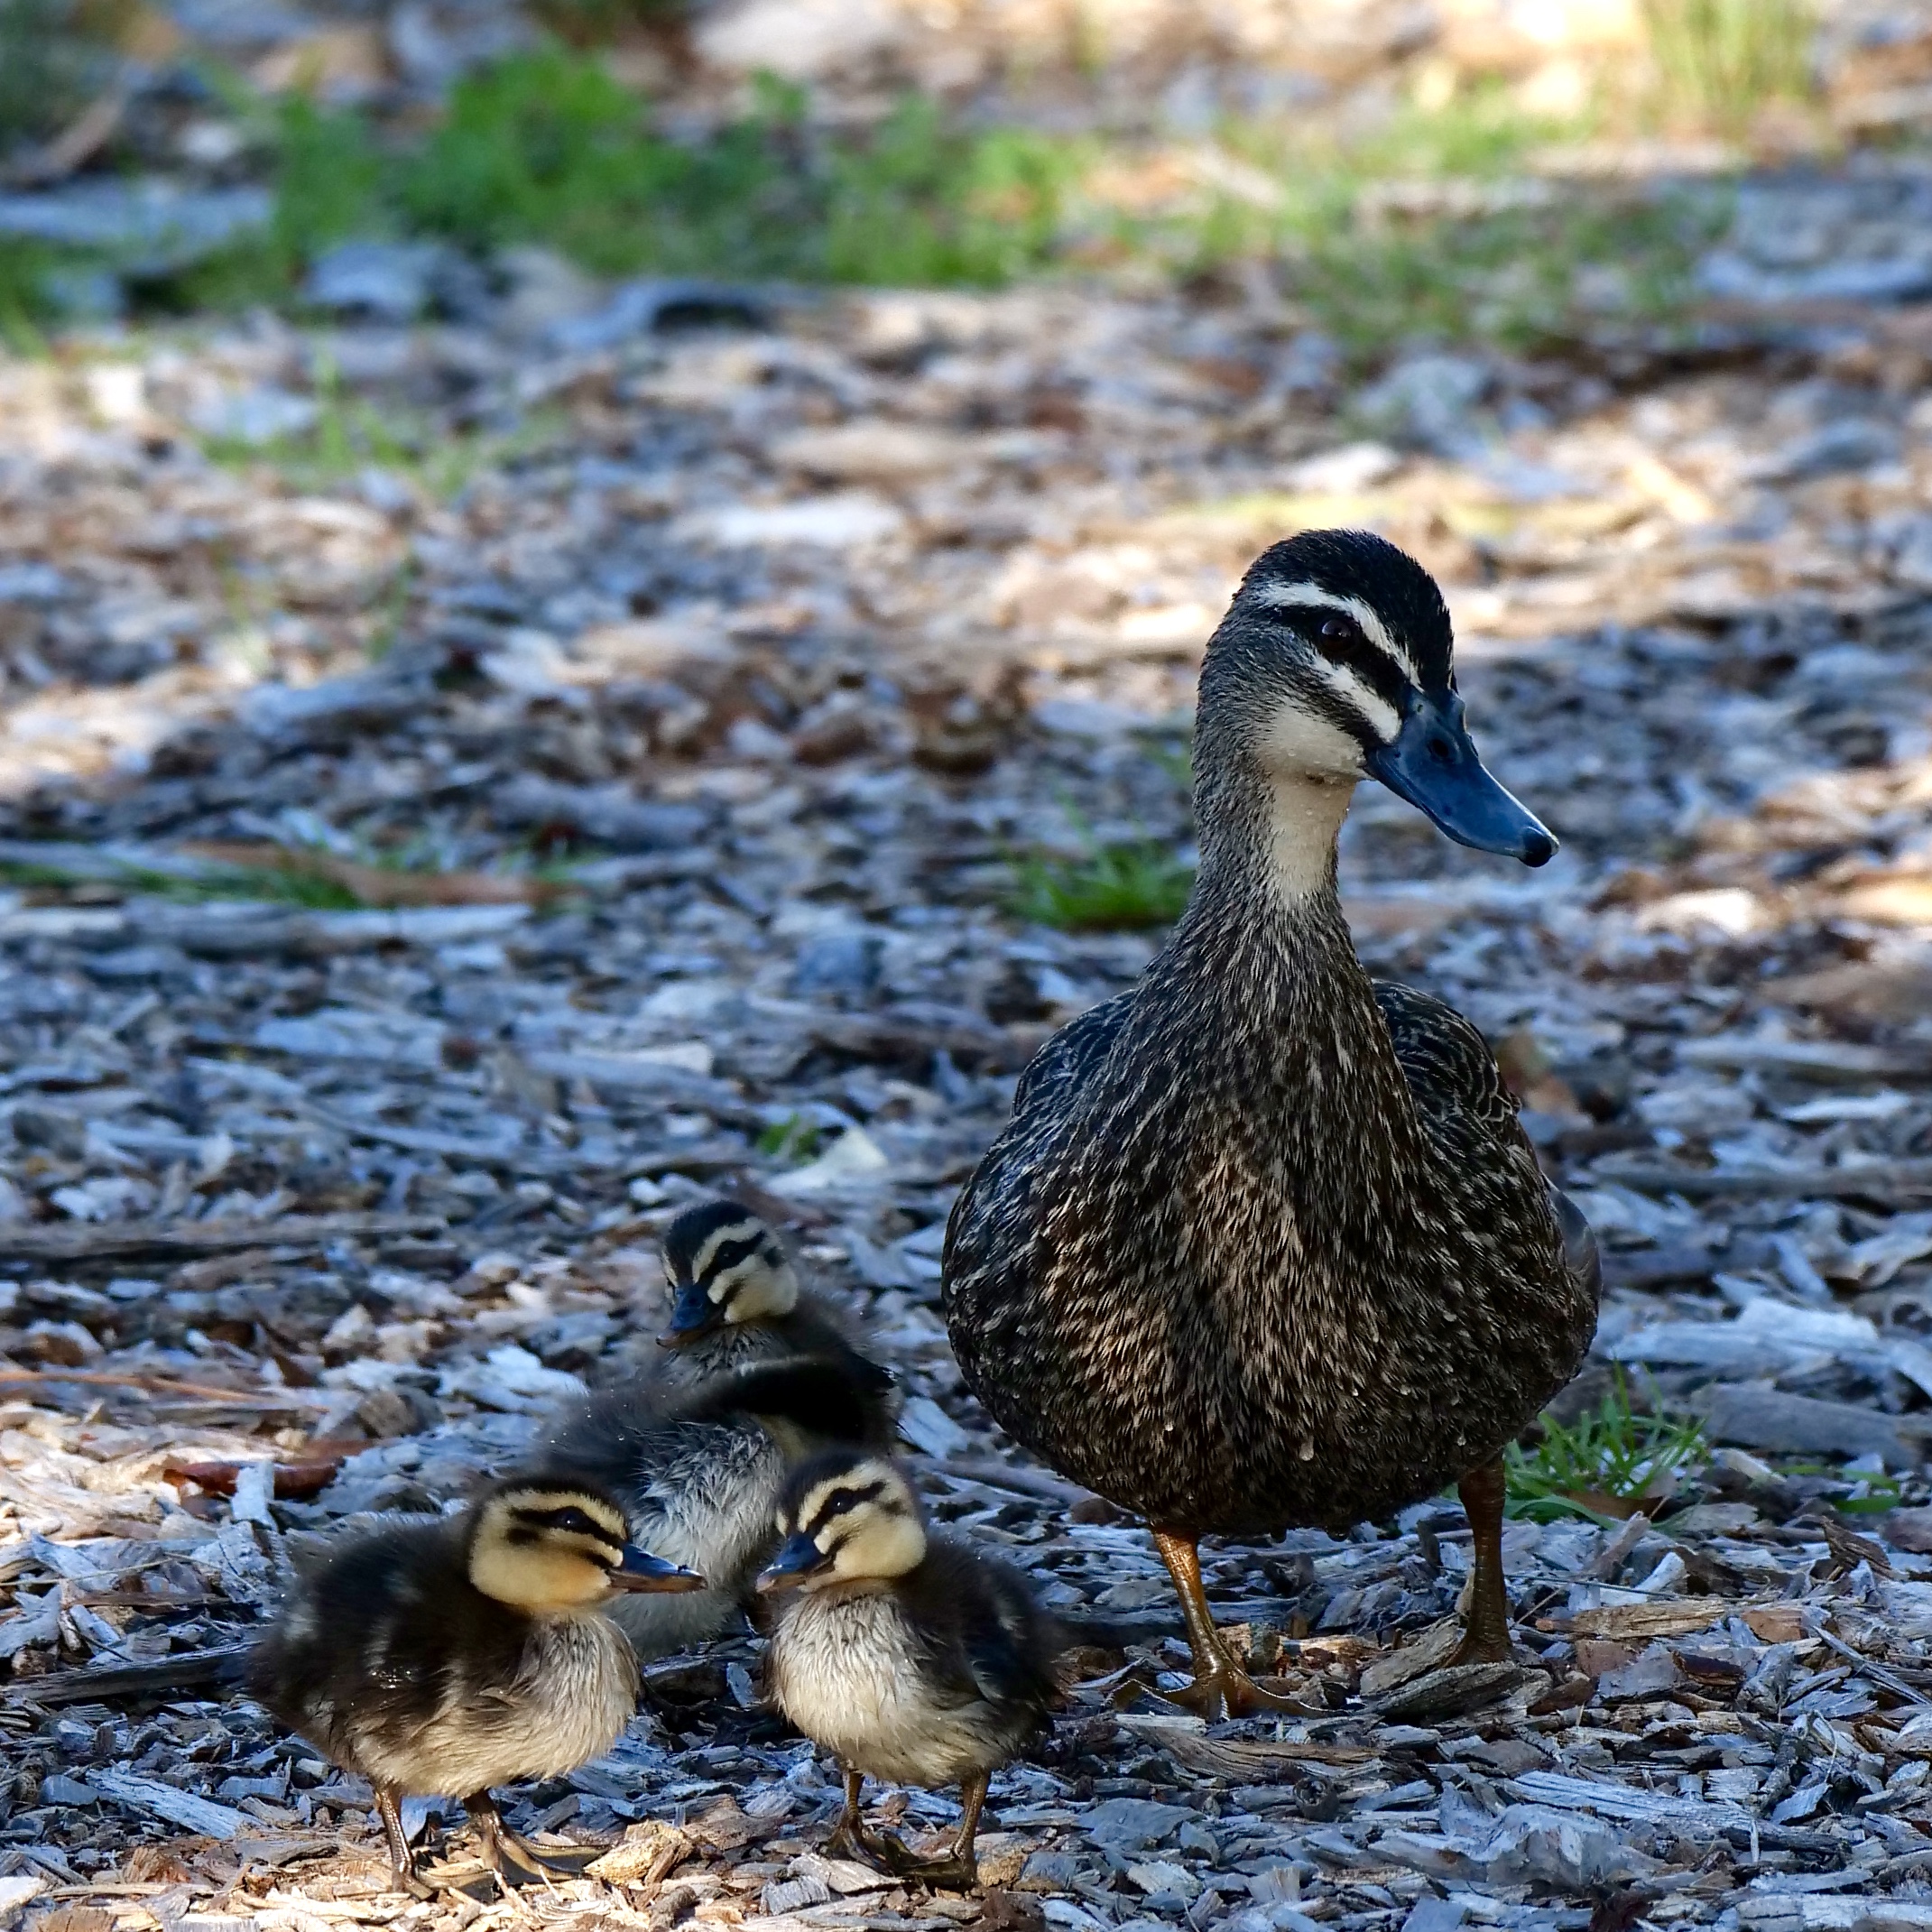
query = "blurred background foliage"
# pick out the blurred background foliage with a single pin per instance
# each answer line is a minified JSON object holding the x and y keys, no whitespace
{"x":1430,"y":202}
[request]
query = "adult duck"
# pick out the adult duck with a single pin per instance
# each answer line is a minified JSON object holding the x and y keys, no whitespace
{"x":1263,"y":1243}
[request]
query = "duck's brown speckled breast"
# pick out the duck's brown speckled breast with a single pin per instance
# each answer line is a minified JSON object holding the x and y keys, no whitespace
{"x":1281,"y":1255}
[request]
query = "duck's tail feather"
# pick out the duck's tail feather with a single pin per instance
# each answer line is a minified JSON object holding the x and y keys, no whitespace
{"x":1579,"y":1244}
{"x":190,"y":1670}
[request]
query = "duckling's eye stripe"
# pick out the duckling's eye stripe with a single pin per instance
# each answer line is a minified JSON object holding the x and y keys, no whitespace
{"x":727,"y":1248}
{"x":570,"y":1519}
{"x":1312,"y":597}
{"x":840,"y":1502}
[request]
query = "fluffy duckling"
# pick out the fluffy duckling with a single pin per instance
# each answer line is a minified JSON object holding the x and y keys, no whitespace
{"x":906,"y":1654}
{"x":736,"y":1300}
{"x":699,"y":1471}
{"x":450,"y":1657}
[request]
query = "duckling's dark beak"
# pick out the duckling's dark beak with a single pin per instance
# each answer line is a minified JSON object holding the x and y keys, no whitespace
{"x":692,"y":1314}
{"x":639,"y":1570}
{"x":1434,"y":765}
{"x":798,"y":1559}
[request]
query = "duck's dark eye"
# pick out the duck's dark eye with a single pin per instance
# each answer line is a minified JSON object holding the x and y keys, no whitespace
{"x":1336,"y":627}
{"x":575,"y":1522}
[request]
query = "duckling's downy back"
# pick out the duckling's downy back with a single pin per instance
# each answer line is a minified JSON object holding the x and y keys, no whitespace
{"x":699,"y":1471}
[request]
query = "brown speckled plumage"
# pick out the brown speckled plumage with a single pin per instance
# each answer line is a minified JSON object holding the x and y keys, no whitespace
{"x":1263,"y":1243}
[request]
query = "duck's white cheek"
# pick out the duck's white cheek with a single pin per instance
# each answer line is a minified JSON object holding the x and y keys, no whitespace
{"x":1300,"y":744}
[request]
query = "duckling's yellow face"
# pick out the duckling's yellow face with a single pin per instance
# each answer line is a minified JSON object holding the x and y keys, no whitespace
{"x":724,"y":1266}
{"x":552,"y":1549}
{"x":847,"y":1518}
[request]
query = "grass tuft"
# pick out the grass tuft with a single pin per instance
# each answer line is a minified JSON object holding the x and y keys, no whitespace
{"x":351,"y":435}
{"x":548,"y":147}
{"x":1719,"y":61}
{"x":1603,"y":1463}
{"x":793,"y":1138}
{"x":268,"y":885}
{"x":1123,"y":888}
{"x":1429,"y":225}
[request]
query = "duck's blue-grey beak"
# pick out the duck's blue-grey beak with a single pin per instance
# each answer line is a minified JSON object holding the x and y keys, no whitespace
{"x":797,"y":1559}
{"x":1434,"y":765}
{"x":692,"y":1314}
{"x":638,"y":1569}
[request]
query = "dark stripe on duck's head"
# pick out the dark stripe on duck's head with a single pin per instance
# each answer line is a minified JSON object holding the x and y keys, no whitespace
{"x":843,"y":1499}
{"x":1334,"y":663}
{"x":571,"y":1518}
{"x":692,"y":1238}
{"x":1359,"y":597}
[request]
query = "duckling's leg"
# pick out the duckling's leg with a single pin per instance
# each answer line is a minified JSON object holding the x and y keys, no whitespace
{"x":850,"y":1837}
{"x":1221,"y":1688}
{"x":513,"y":1861}
{"x":402,"y":1861}
{"x":959,"y":1870}
{"x":1486,"y":1621}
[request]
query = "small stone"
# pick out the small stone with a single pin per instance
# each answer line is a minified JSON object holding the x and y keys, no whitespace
{"x":1049,"y":1872}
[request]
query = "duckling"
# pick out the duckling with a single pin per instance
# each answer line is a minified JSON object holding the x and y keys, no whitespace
{"x":905,"y":1653}
{"x":453,"y":1656}
{"x":1263,"y":1243}
{"x":700,"y":1470}
{"x":737,"y":1299}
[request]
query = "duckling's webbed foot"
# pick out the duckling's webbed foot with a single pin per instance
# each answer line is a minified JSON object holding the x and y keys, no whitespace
{"x":1486,"y":1620}
{"x":1221,"y":1688}
{"x":951,"y":1874}
{"x":959,"y":1870}
{"x":403,"y":1871}
{"x":514,"y":1863}
{"x":851,"y":1838}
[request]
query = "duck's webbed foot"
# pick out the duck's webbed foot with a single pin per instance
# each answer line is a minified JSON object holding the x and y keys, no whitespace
{"x":514,"y":1863}
{"x":1486,"y":1620}
{"x":885,"y":1851}
{"x":958,"y":1870}
{"x":1221,"y":1688}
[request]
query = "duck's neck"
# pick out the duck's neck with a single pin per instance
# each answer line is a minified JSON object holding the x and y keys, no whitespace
{"x":1260,"y":994}
{"x":1268,"y":847}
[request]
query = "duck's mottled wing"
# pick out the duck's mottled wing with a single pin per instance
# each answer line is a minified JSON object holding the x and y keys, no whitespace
{"x":1447,"y":1063}
{"x":1062,"y":1066}
{"x":1460,"y":1091}
{"x":1579,"y":1243}
{"x":990,"y":1262}
{"x":992,"y":1220}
